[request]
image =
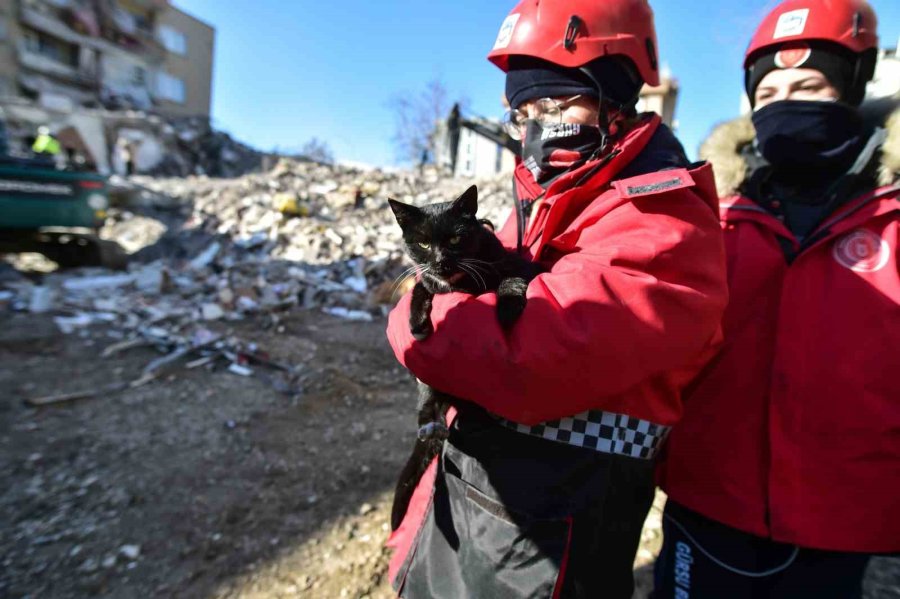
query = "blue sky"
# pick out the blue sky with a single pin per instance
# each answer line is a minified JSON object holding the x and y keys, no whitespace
{"x":289,"y":71}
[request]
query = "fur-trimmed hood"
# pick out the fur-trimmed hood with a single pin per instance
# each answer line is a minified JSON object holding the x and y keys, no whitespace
{"x":723,"y":147}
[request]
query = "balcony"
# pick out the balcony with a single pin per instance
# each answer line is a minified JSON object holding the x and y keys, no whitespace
{"x":46,"y":65}
{"x":47,"y":23}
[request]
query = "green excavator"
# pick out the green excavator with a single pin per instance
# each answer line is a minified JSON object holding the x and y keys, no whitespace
{"x":54,"y":212}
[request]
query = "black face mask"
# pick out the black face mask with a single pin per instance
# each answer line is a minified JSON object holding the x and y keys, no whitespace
{"x":808,"y":134}
{"x":550,"y":151}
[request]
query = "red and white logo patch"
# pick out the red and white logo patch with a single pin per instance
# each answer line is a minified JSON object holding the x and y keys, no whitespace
{"x":861,"y":250}
{"x":792,"y":56}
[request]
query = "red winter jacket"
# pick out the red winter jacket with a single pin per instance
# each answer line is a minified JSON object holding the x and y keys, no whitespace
{"x":626,"y":314}
{"x":793,"y":431}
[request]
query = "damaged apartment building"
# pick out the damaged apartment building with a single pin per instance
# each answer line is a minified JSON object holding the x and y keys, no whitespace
{"x":119,"y":82}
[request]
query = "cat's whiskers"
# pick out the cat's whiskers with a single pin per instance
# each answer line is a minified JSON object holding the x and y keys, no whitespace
{"x":476,"y":276}
{"x":479,"y":269}
{"x":478,"y":264}
{"x":403,"y":277}
{"x":491,"y":264}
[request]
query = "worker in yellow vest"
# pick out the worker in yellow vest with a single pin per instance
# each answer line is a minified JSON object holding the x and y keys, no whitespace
{"x":45,"y":143}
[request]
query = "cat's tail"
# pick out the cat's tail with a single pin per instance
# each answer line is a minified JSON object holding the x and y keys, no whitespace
{"x":423,"y":452}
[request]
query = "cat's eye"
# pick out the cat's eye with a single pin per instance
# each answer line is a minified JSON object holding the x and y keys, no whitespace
{"x":424,"y":246}
{"x":454,"y":240}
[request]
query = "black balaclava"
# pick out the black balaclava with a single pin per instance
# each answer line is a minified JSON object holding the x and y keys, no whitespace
{"x":809,"y":138}
{"x":550,"y":151}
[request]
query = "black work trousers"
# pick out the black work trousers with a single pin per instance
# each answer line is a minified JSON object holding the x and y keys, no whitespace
{"x":705,"y":559}
{"x":517,"y":516}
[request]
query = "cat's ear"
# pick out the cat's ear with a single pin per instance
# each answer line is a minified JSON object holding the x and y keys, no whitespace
{"x":406,"y":215}
{"x":467,"y":203}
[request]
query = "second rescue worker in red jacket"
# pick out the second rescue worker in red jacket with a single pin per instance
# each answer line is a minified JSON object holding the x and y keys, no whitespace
{"x":784,"y":474}
{"x":544,"y":484}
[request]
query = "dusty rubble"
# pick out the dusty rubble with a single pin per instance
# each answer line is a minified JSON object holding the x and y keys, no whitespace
{"x":303,"y":234}
{"x":132,"y":141}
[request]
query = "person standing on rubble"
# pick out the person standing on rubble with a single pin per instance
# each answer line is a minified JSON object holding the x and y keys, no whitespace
{"x":547,"y":476}
{"x":784,"y":475}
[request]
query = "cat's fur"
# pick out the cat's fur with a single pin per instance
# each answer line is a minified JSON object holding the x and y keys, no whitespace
{"x":453,"y":251}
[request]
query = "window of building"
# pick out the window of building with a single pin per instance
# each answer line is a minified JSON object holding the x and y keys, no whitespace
{"x":31,"y":40}
{"x":50,"y":47}
{"x":169,"y":87}
{"x":173,"y":40}
{"x":139,"y":76}
{"x":468,"y":153}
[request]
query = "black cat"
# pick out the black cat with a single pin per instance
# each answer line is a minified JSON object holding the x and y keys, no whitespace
{"x":453,"y":251}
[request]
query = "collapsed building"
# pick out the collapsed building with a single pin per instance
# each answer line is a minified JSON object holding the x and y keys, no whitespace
{"x":125,"y":85}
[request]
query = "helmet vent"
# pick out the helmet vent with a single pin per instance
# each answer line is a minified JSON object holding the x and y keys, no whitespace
{"x":572,"y":28}
{"x":857,"y":22}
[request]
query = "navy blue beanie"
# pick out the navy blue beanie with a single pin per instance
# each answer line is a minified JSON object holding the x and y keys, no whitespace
{"x":532,"y":78}
{"x":832,"y":60}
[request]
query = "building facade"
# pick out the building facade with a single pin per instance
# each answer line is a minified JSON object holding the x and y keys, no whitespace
{"x":116,"y":54}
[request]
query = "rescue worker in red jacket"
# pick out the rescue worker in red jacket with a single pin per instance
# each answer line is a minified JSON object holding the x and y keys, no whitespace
{"x":784,"y":474}
{"x":545,"y":481}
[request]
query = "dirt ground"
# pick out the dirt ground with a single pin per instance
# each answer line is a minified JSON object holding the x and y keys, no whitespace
{"x":208,"y":484}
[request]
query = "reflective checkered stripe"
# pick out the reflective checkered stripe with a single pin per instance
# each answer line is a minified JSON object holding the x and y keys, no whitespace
{"x":601,"y":431}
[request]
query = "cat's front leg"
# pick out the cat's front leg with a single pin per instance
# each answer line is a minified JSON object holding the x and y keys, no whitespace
{"x":511,"y":300}
{"x":432,"y":409}
{"x":420,"y":312}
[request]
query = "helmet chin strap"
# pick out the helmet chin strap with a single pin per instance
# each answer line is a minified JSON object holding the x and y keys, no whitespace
{"x":603,"y":121}
{"x":603,"y":116}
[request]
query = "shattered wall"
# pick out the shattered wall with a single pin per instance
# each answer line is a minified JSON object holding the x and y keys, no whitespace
{"x":154,"y":144}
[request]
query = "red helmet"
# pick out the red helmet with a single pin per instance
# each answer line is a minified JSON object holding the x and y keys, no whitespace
{"x":572,"y":33}
{"x":850,"y":23}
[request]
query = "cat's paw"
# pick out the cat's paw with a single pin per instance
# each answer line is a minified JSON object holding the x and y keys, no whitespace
{"x":509,"y":309}
{"x":421,"y":330}
{"x":433,"y":431}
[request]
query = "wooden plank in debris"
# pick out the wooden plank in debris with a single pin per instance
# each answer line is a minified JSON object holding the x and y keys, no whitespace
{"x":88,"y":393}
{"x":124,"y":345}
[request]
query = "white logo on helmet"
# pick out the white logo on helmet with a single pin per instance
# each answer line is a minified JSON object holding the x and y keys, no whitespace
{"x":861,"y":251}
{"x":506,"y":31}
{"x":791,"y":23}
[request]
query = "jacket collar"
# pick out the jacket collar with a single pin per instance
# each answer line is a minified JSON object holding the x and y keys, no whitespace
{"x":881,"y":201}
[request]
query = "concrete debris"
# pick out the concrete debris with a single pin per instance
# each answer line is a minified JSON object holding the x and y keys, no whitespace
{"x":220,"y":250}
{"x":130,"y":552}
{"x":125,"y":142}
{"x":41,"y":299}
{"x":240,"y":370}
{"x":348,"y":314}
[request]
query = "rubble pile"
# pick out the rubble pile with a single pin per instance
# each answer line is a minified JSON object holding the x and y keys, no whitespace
{"x":130,"y":141}
{"x":197,"y":148}
{"x":302,"y":235}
